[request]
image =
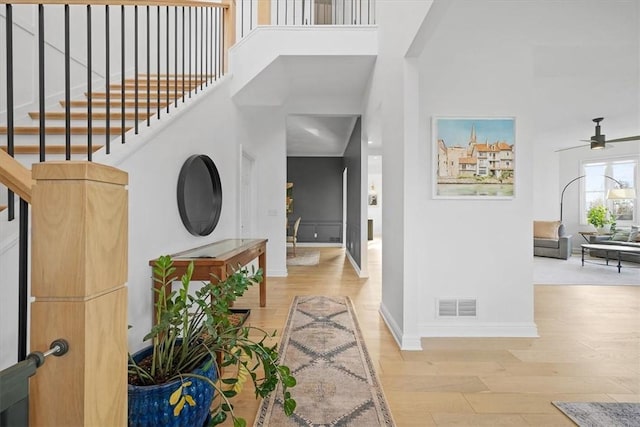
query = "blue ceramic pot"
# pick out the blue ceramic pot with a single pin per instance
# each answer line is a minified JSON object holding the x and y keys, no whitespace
{"x":149,"y":405}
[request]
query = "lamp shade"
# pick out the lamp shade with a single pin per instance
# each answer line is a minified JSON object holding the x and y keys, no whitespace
{"x":621,"y":193}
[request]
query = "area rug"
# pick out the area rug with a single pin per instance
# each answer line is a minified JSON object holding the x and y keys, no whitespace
{"x":552,"y":271}
{"x":594,"y":414}
{"x":337,"y":385}
{"x":305,"y":258}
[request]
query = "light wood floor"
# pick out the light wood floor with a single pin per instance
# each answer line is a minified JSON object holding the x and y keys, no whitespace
{"x":588,"y":350}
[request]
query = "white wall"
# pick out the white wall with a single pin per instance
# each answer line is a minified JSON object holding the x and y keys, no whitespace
{"x":475,"y":248}
{"x":155,"y":227}
{"x":384,"y":120}
{"x":262,"y":132}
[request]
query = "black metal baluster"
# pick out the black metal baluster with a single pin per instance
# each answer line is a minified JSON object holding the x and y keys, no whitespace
{"x":23,"y":284}
{"x":250,"y":15}
{"x":368,"y":12}
{"x":206,"y":48}
{"x":175,"y":55}
{"x":189,"y":52}
{"x":202,"y":77}
{"x":10,"y":126}
{"x":344,"y":16}
{"x":195,"y":41}
{"x":107,"y":74}
{"x":278,"y":12}
{"x":294,"y":12}
{"x":168,"y":77}
{"x":216,"y":61}
{"x":89,"y":88}
{"x":158,"y":61}
{"x":136,"y":101}
{"x":183,"y":54}
{"x":241,"y":19}
{"x":67,"y":86}
{"x":211,"y":46}
{"x":122,"y":71}
{"x":41,"y":80}
{"x":148,"y":67}
{"x":222,"y":47}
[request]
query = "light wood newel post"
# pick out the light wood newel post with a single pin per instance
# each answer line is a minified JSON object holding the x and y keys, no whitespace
{"x":264,"y":12}
{"x":229,"y":30}
{"x":78,"y":278}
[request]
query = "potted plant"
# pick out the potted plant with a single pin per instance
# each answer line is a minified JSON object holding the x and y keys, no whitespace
{"x":192,"y":340}
{"x":598,"y":216}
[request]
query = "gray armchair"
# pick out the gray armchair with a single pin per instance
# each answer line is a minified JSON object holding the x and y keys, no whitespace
{"x":550,"y":240}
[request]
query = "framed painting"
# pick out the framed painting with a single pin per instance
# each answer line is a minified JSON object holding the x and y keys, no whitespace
{"x":474,"y":157}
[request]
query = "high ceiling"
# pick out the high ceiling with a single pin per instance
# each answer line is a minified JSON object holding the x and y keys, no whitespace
{"x":311,"y":135}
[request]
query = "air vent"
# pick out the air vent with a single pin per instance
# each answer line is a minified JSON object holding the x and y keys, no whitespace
{"x":463,"y":307}
{"x":447,"y":308}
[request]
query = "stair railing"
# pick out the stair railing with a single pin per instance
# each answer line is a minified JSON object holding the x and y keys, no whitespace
{"x":252,"y":13}
{"x":173,"y":49}
{"x":179,"y":49}
{"x":178,"y":37}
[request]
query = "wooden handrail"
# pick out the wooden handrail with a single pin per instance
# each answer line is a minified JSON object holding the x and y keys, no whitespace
{"x":16,"y":177}
{"x":171,"y":3}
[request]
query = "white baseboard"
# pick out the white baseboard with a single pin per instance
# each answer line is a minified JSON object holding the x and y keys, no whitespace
{"x":478,"y":329}
{"x":404,"y":342}
{"x":277,"y":273}
{"x":317,"y":245}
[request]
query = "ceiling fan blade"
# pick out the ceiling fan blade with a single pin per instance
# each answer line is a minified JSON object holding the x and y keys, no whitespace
{"x":628,"y":138}
{"x":571,"y":148}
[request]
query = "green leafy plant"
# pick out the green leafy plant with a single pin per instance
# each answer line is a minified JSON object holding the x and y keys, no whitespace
{"x":193,"y":329}
{"x":598,"y":216}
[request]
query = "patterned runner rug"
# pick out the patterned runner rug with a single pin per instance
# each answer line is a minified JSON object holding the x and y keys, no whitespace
{"x":337,"y":385}
{"x":594,"y":414}
{"x":304,"y":258}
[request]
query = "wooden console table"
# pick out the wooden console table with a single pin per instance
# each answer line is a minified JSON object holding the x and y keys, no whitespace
{"x":220,"y":259}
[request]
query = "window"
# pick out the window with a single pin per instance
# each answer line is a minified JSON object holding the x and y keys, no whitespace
{"x":596,"y":185}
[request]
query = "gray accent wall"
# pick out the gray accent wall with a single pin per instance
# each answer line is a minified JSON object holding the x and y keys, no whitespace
{"x":353,"y":163}
{"x":317,"y":198}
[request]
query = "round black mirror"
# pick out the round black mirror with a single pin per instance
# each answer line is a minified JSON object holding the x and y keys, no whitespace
{"x":199,"y":195}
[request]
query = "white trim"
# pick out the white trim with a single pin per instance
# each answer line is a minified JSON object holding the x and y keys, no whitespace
{"x":355,"y":266}
{"x":277,"y":273}
{"x":478,"y":329}
{"x":405,"y":342}
{"x":317,"y":244}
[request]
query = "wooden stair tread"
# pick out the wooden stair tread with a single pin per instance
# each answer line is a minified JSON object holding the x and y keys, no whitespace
{"x":154,"y":82}
{"x":142,"y":103}
{"x":53,"y":149}
{"x":186,"y":76}
{"x":153,"y":95}
{"x":95,"y":115}
{"x":61,"y":130}
{"x":3,"y":207}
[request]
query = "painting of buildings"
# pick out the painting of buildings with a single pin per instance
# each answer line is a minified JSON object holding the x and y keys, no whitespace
{"x":475,"y":157}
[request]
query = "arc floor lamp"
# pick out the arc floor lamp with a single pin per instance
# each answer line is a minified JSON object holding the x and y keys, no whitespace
{"x":616,"y":193}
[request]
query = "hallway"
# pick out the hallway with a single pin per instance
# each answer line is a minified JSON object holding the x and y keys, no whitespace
{"x":588,"y":350}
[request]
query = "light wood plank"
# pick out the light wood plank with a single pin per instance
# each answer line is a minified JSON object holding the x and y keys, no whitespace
{"x":53,"y":149}
{"x":95,"y":115}
{"x":61,"y":130}
{"x":142,"y":103}
{"x":79,"y":273}
{"x":15,"y":176}
{"x":440,"y":385}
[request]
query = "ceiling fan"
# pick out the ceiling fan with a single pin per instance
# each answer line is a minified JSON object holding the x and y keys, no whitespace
{"x":598,"y":140}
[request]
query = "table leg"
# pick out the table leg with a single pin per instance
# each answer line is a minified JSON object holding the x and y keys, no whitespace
{"x":583,"y":257}
{"x":262,"y":263}
{"x":619,"y":265}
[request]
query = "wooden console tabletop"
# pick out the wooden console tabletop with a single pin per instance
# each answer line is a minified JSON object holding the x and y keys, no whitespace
{"x":220,"y":259}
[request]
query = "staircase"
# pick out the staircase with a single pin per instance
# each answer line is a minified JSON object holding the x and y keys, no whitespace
{"x":107,"y":116}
